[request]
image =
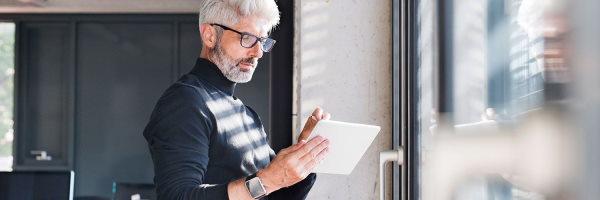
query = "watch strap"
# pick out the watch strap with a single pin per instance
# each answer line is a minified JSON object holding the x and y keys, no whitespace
{"x":255,"y":187}
{"x":251,"y":176}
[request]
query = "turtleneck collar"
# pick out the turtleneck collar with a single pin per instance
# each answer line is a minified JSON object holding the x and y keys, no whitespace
{"x":208,"y":71}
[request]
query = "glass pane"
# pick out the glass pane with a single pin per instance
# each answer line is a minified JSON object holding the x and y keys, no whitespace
{"x":7,"y":71}
{"x":507,"y":66}
{"x":426,"y":55}
{"x":499,"y":59}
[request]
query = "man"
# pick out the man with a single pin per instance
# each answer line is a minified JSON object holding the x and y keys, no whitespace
{"x":205,"y":143}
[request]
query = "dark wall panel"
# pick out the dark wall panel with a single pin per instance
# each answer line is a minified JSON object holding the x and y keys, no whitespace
{"x":189,"y":46}
{"x":122,"y":68}
{"x":44,"y":108}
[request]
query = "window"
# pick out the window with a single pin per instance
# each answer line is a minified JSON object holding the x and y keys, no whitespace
{"x":485,"y":61}
{"x":7,"y":71}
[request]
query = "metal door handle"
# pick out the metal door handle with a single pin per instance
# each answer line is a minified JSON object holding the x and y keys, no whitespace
{"x":385,"y":157}
{"x":41,"y":155}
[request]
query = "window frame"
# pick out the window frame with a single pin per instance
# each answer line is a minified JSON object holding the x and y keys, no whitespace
{"x":406,"y":87}
{"x":405,"y":176}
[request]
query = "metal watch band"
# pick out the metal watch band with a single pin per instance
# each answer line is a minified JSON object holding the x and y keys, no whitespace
{"x":255,"y":187}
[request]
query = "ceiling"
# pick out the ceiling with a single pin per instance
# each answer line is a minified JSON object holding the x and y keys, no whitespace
{"x":99,"y":6}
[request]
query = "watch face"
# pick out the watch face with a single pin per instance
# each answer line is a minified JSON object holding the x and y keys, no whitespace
{"x":256,"y":188}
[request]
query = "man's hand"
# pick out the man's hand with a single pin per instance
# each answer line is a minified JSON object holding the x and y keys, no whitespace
{"x":311,"y":122}
{"x":294,"y":163}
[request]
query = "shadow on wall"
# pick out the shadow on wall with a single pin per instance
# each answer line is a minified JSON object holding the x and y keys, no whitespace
{"x":314,"y":34}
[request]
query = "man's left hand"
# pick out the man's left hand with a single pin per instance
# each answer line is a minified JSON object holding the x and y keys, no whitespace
{"x":312,"y":121}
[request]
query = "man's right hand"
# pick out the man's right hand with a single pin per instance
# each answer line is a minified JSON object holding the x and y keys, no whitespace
{"x":293,"y":164}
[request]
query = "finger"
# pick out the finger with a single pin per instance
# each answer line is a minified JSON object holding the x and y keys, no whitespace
{"x":314,"y":152}
{"x":298,"y":145}
{"x":305,"y":174}
{"x":318,"y":113}
{"x":305,"y":149}
{"x":294,"y":147}
{"x":311,"y":123}
{"x":326,"y":116}
{"x":314,"y":162}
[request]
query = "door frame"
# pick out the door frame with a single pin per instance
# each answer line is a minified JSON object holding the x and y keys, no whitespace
{"x":404,"y":122}
{"x":399,"y":93}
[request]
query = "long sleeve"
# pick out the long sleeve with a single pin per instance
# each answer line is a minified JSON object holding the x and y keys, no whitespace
{"x":178,"y":136}
{"x":298,"y":191}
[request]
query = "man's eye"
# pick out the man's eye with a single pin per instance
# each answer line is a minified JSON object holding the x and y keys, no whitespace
{"x":247,"y":38}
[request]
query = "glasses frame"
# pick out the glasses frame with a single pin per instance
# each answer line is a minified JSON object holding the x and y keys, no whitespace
{"x":262,"y":40}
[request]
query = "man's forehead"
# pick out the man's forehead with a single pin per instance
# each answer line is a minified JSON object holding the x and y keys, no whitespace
{"x":254,"y":25}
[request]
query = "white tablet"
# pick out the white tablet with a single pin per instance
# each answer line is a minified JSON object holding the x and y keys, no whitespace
{"x":347,"y":144}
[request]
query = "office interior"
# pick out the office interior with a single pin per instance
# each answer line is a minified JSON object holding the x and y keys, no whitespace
{"x":476,"y":99}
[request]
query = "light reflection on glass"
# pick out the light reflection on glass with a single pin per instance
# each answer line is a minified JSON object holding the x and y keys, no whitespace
{"x":509,"y":69}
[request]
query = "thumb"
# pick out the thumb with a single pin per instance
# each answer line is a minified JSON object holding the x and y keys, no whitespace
{"x":311,"y":123}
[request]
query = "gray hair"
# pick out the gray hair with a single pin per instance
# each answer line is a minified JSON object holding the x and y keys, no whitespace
{"x":229,"y":12}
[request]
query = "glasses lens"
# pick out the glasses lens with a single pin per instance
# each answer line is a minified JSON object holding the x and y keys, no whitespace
{"x":267,"y":44}
{"x":248,"y":41}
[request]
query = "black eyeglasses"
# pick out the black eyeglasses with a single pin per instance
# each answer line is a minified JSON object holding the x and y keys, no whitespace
{"x":248,"y":40}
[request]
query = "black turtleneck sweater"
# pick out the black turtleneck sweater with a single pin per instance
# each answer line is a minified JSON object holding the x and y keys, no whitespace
{"x":201,"y":137}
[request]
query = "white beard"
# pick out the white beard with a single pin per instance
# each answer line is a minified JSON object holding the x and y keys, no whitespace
{"x":229,"y":66}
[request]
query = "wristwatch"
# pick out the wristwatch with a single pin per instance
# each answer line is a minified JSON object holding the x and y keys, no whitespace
{"x":255,"y":187}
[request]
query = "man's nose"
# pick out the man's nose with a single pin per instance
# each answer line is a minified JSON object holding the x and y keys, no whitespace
{"x":256,"y":50}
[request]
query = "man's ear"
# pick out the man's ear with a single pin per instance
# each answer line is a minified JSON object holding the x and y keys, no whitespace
{"x":208,"y":35}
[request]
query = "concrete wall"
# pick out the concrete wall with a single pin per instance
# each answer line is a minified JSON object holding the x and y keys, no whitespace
{"x":343,"y":64}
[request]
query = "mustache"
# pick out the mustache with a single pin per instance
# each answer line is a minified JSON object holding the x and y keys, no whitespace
{"x":253,"y":61}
